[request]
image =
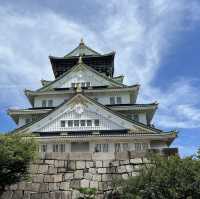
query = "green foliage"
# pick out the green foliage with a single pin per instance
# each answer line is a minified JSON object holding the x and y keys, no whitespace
{"x":171,"y":177}
{"x":16,"y":153}
{"x":89,"y":193}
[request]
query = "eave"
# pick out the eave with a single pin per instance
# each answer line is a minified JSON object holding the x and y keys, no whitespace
{"x":30,"y":94}
{"x":167,"y":137}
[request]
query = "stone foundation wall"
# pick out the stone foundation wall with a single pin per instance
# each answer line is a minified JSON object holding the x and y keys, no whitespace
{"x":59,"y":176}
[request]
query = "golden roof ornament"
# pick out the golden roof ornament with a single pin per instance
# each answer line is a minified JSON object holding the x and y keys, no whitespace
{"x":80,"y":60}
{"x":78,"y":88}
{"x":81,"y":42}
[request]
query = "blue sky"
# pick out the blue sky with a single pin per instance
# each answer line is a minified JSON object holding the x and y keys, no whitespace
{"x":157,"y":44}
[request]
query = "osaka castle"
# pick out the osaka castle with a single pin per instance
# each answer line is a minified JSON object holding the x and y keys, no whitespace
{"x":86,"y":108}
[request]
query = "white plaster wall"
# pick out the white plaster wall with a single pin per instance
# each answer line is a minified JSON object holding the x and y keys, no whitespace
{"x":142,"y":118}
{"x":103,"y":98}
{"x":22,"y":120}
{"x":158,"y":145}
{"x":57,"y":100}
{"x":111,"y":146}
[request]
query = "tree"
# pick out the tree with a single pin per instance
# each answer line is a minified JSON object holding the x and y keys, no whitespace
{"x":16,"y":153}
{"x":170,"y":177}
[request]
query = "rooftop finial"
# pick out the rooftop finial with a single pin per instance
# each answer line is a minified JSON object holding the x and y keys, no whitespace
{"x":80,"y":61}
{"x":82,"y":42}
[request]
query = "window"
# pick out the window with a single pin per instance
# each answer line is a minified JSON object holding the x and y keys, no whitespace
{"x":89,"y":122}
{"x":76,"y":122}
{"x":62,"y":123}
{"x":70,"y":123}
{"x":119,"y":100}
{"x":82,"y":122}
{"x":55,"y":147}
{"x":135,"y":117}
{"x":44,"y":103}
{"x":27,"y":120}
{"x":96,"y":122}
{"x":145,"y":146}
{"x":117,"y":147}
{"x":125,"y":146}
{"x":138,"y":146}
{"x":43,"y":148}
{"x":87,"y":84}
{"x":112,"y":100}
{"x":50,"y":103}
{"x":73,"y":85}
{"x":62,"y":148}
{"x":98,"y":148}
{"x":101,"y":148}
{"x":82,"y":84}
{"x":105,"y":147}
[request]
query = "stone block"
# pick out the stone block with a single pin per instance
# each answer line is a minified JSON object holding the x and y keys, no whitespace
{"x":53,"y":186}
{"x":35,"y":196}
{"x":111,"y":170}
{"x":94,"y":184}
{"x":45,"y":196}
{"x":33,"y":168}
{"x":59,"y":163}
{"x":103,"y":156}
{"x":51,"y":162}
{"x":13,"y":187}
{"x":106,"y":177}
{"x":129,"y":168}
{"x":38,"y":178}
{"x":136,"y":161}
{"x":134,"y":174}
{"x":7,"y":195}
{"x":93,"y":170}
{"x":42,"y":169}
{"x":66,"y":195}
{"x":115,"y":163}
{"x":68,"y":176}
{"x":57,"y":178}
{"x":21,"y":186}
{"x":124,"y":162}
{"x":52,"y":170}
{"x":96,"y":177}
{"x":34,"y":187}
{"x":80,"y":164}
{"x":122,"y":155}
{"x":44,"y":187}
{"x":75,"y":194}
{"x":106,"y":163}
{"x":121,"y":169}
{"x":71,"y":165}
{"x":101,"y":170}
{"x":78,"y":174}
{"x":52,"y":195}
{"x":88,"y":176}
{"x":89,"y":164}
{"x":80,"y":156}
{"x":58,"y":194}
{"x":125,"y":176}
{"x":64,"y":186}
{"x":75,"y":184}
{"x":99,"y":163}
{"x":84,"y":183}
{"x":61,"y":170}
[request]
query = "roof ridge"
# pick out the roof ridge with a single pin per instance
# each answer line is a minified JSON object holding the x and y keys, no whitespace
{"x":98,"y":104}
{"x":77,"y":65}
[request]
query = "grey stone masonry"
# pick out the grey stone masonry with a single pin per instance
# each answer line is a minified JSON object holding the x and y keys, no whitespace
{"x":60,"y":176}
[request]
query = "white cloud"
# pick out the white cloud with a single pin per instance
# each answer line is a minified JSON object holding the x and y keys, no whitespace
{"x":142,"y":32}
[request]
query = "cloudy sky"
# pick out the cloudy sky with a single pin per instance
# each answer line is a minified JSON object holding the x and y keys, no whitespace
{"x":157,"y":44}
